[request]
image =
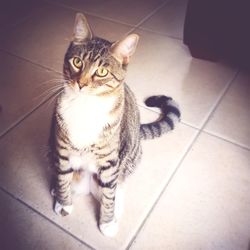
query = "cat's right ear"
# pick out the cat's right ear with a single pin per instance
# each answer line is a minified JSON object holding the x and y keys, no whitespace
{"x":82,"y":31}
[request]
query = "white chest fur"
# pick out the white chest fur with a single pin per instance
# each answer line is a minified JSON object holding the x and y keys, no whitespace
{"x":85,"y":116}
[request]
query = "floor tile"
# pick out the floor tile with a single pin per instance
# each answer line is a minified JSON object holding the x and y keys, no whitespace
{"x":22,"y":87}
{"x":162,"y":65}
{"x":232,"y":117}
{"x":45,"y":36}
{"x":206,"y":206}
{"x":129,"y":12}
{"x":23,"y":229}
{"x":13,"y":11}
{"x":169,"y":19}
{"x":26,"y":174}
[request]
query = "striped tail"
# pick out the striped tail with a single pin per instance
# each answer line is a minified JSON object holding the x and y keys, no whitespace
{"x":170,"y":116}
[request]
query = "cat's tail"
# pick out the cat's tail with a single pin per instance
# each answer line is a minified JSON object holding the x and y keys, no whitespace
{"x":170,"y":116}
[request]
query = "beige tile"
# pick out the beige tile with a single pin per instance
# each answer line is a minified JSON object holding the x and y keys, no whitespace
{"x":22,"y":87}
{"x":168,"y":20}
{"x":45,"y":36}
{"x":14,"y":11}
{"x":206,"y":206}
{"x":232,"y":117}
{"x":129,"y":12}
{"x":162,"y":65}
{"x":26,"y":174}
{"x":23,"y":229}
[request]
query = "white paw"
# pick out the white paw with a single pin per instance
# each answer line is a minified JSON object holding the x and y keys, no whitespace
{"x":109,"y":229}
{"x":63,"y":210}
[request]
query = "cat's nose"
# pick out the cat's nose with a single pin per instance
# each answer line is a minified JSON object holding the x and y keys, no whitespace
{"x":82,"y":84}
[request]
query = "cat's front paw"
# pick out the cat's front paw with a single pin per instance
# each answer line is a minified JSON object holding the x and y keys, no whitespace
{"x":62,"y":210}
{"x":109,"y":229}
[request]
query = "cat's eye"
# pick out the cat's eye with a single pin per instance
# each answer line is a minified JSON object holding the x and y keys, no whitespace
{"x":101,"y":72}
{"x":77,"y":62}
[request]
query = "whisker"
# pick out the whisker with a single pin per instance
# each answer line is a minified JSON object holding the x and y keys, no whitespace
{"x":58,"y":80}
{"x":48,"y":92}
{"x":52,"y":79}
{"x":53,"y":97}
{"x":48,"y":100}
{"x":48,"y":89}
{"x":55,"y":81}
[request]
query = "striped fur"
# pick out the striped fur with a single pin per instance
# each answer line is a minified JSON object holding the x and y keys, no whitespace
{"x":96,"y":130}
{"x":170,"y":116}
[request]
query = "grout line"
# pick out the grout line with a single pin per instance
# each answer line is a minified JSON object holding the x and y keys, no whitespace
{"x":211,"y":133}
{"x":88,"y":13}
{"x":44,"y":217}
{"x":154,"y":31}
{"x":235,"y":143}
{"x":219,"y":99}
{"x":179,"y":164}
{"x":13,"y":25}
{"x":30,"y":61}
{"x":26,"y":115}
{"x":133,"y":26}
{"x":189,"y":125}
{"x":164,"y":189}
{"x":161,"y":33}
{"x":151,"y":14}
{"x":159,"y":113}
{"x":53,"y":70}
{"x":206,"y":120}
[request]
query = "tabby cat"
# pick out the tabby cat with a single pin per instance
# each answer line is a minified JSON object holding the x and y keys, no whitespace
{"x":97,"y":130}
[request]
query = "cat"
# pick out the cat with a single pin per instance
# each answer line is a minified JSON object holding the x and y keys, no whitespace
{"x":96,"y":124}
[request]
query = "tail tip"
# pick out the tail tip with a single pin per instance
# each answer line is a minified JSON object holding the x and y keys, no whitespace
{"x":156,"y":101}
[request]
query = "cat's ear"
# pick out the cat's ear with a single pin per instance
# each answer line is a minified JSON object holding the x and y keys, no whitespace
{"x":82,"y":30}
{"x":124,"y":49}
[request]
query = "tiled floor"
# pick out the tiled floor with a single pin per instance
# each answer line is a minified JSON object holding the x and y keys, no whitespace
{"x":191,"y":190}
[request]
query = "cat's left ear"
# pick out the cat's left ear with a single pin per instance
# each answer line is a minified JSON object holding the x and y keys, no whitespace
{"x":82,"y":31}
{"x":124,"y":49}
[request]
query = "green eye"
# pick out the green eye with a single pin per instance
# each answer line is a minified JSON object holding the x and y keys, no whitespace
{"x":101,"y":72}
{"x":77,"y":62}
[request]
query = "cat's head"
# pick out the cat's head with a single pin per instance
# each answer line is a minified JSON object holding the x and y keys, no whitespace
{"x":94,"y":64}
